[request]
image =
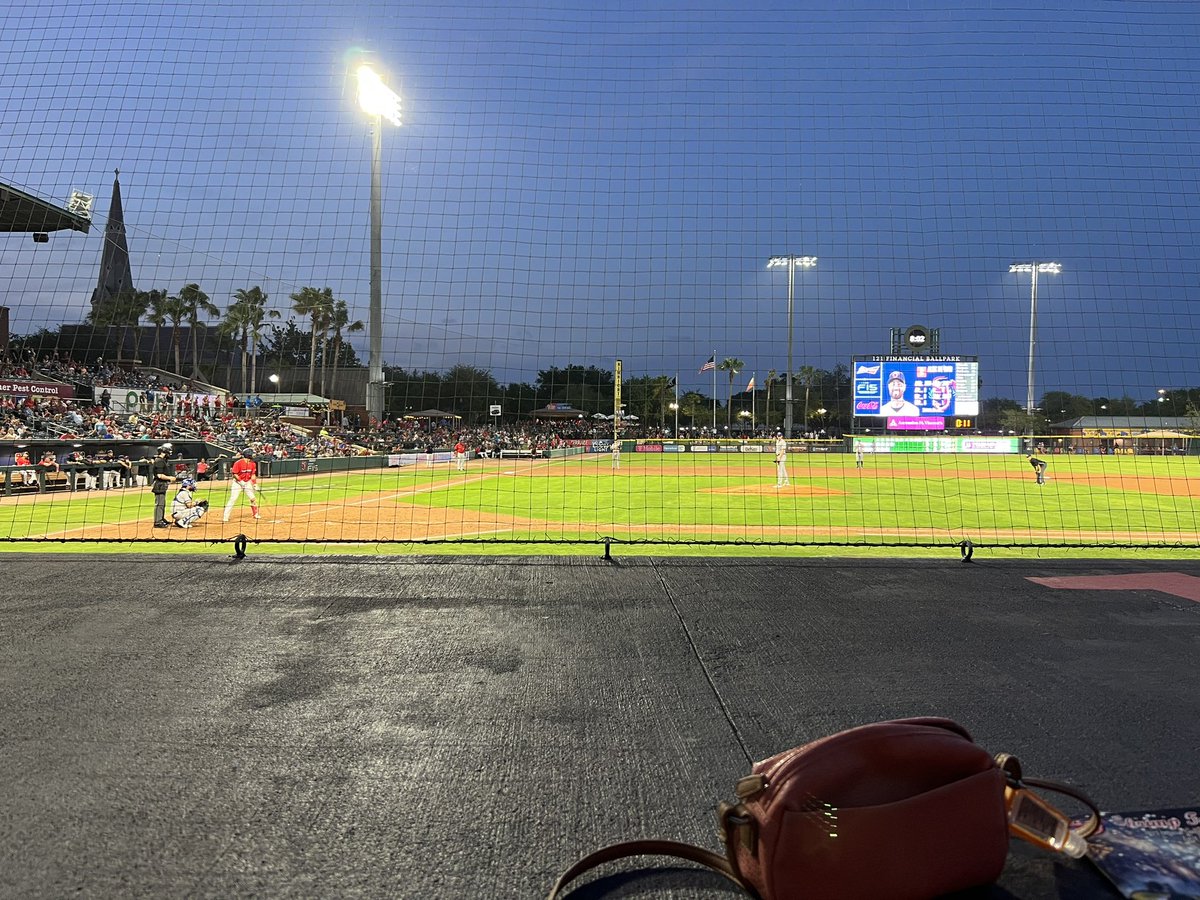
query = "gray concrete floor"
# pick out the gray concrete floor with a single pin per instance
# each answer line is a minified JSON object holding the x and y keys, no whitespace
{"x":294,"y":727}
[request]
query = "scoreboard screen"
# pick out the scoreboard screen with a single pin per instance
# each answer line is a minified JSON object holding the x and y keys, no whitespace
{"x":901,"y":387}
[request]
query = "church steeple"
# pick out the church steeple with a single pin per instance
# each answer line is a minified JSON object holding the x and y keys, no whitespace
{"x":116,"y":277}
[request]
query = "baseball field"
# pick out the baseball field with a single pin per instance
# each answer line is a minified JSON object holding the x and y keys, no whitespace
{"x":687,"y":500}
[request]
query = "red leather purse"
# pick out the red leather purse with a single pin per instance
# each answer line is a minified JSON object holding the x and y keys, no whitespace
{"x":912,"y":808}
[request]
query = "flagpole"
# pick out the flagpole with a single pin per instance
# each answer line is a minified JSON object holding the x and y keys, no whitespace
{"x":753,"y":421}
{"x":714,"y":424}
{"x":676,"y":406}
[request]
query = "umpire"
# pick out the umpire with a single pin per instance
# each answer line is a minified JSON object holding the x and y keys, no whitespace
{"x":161,"y":476}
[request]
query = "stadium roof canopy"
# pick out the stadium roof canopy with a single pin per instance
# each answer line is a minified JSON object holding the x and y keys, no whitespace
{"x":559,"y":411}
{"x":22,"y":212}
{"x":296,"y":399}
{"x":431,"y":414}
{"x":1129,"y":424}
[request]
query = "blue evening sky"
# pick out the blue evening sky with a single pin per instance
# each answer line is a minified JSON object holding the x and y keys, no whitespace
{"x":578,"y":182}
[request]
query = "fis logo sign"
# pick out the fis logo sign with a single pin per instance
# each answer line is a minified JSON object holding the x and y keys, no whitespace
{"x":865,"y":370}
{"x":866,"y":388}
{"x":866,"y":406}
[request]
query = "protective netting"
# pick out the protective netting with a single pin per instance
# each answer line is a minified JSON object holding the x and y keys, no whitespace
{"x":968,"y":235}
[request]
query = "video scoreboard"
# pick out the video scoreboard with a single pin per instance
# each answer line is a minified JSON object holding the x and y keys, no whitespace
{"x":917,"y":392}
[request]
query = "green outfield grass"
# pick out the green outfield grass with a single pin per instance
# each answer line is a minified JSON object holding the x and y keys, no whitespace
{"x":697,"y":503}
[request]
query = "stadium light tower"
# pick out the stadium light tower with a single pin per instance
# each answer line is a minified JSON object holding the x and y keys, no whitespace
{"x":1034,"y":269}
{"x":791,"y":262}
{"x":379,"y":102}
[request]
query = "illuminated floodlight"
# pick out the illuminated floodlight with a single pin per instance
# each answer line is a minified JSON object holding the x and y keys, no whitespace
{"x":375,"y":97}
{"x":1046,"y":268}
{"x":805,"y":262}
{"x":81,"y":204}
{"x":1033,"y":269}
{"x":380,"y":102}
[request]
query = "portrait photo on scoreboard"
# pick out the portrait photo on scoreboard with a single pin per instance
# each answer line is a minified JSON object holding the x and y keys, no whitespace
{"x":891,"y":386}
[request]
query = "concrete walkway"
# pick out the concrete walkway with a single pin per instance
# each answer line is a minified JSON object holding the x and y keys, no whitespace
{"x":466,"y":728}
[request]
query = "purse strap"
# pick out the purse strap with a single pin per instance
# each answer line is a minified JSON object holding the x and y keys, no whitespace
{"x":698,"y":855}
{"x":1011,"y":767}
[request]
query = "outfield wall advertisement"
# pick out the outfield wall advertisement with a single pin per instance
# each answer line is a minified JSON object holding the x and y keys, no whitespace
{"x":976,"y":444}
{"x":910,"y":387}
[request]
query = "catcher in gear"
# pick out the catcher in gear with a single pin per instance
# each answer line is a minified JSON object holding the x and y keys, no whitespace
{"x":186,"y":510}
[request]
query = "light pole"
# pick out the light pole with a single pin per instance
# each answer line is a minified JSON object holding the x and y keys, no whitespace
{"x":675,"y":408}
{"x":380,"y":102}
{"x":274,"y":379}
{"x":1034,"y":269}
{"x":791,"y":262}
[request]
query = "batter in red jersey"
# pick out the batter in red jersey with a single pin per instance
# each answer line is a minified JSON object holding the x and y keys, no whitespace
{"x":244,"y":480}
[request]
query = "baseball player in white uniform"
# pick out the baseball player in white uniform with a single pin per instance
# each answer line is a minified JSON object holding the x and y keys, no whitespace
{"x":781,"y":472}
{"x":186,"y":510}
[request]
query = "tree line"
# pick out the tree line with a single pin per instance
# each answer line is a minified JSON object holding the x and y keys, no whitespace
{"x":821,"y":397}
{"x":244,"y":322}
{"x":467,"y":390}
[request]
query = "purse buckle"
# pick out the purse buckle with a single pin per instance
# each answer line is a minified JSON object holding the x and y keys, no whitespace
{"x":737,"y":827}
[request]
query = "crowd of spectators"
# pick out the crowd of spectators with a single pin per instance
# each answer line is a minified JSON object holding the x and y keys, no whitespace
{"x":173,"y":410}
{"x":180,"y":410}
{"x":426,"y":435}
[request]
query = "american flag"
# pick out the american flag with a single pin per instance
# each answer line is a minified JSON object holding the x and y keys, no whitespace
{"x":750,"y":386}
{"x":710,"y":365}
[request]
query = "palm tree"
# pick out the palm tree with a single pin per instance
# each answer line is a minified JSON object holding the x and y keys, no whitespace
{"x":326,"y":324}
{"x":124,"y":310}
{"x":808,"y":376}
{"x":156,"y":316}
{"x":315,"y":304}
{"x":732,"y":365}
{"x":244,"y":321}
{"x":236,"y":324}
{"x":339,"y":321}
{"x":195,"y":302}
{"x":256,"y":303}
{"x":175,"y":311}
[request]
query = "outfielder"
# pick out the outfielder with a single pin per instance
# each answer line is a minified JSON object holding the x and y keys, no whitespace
{"x":243,"y":480}
{"x":186,"y":510}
